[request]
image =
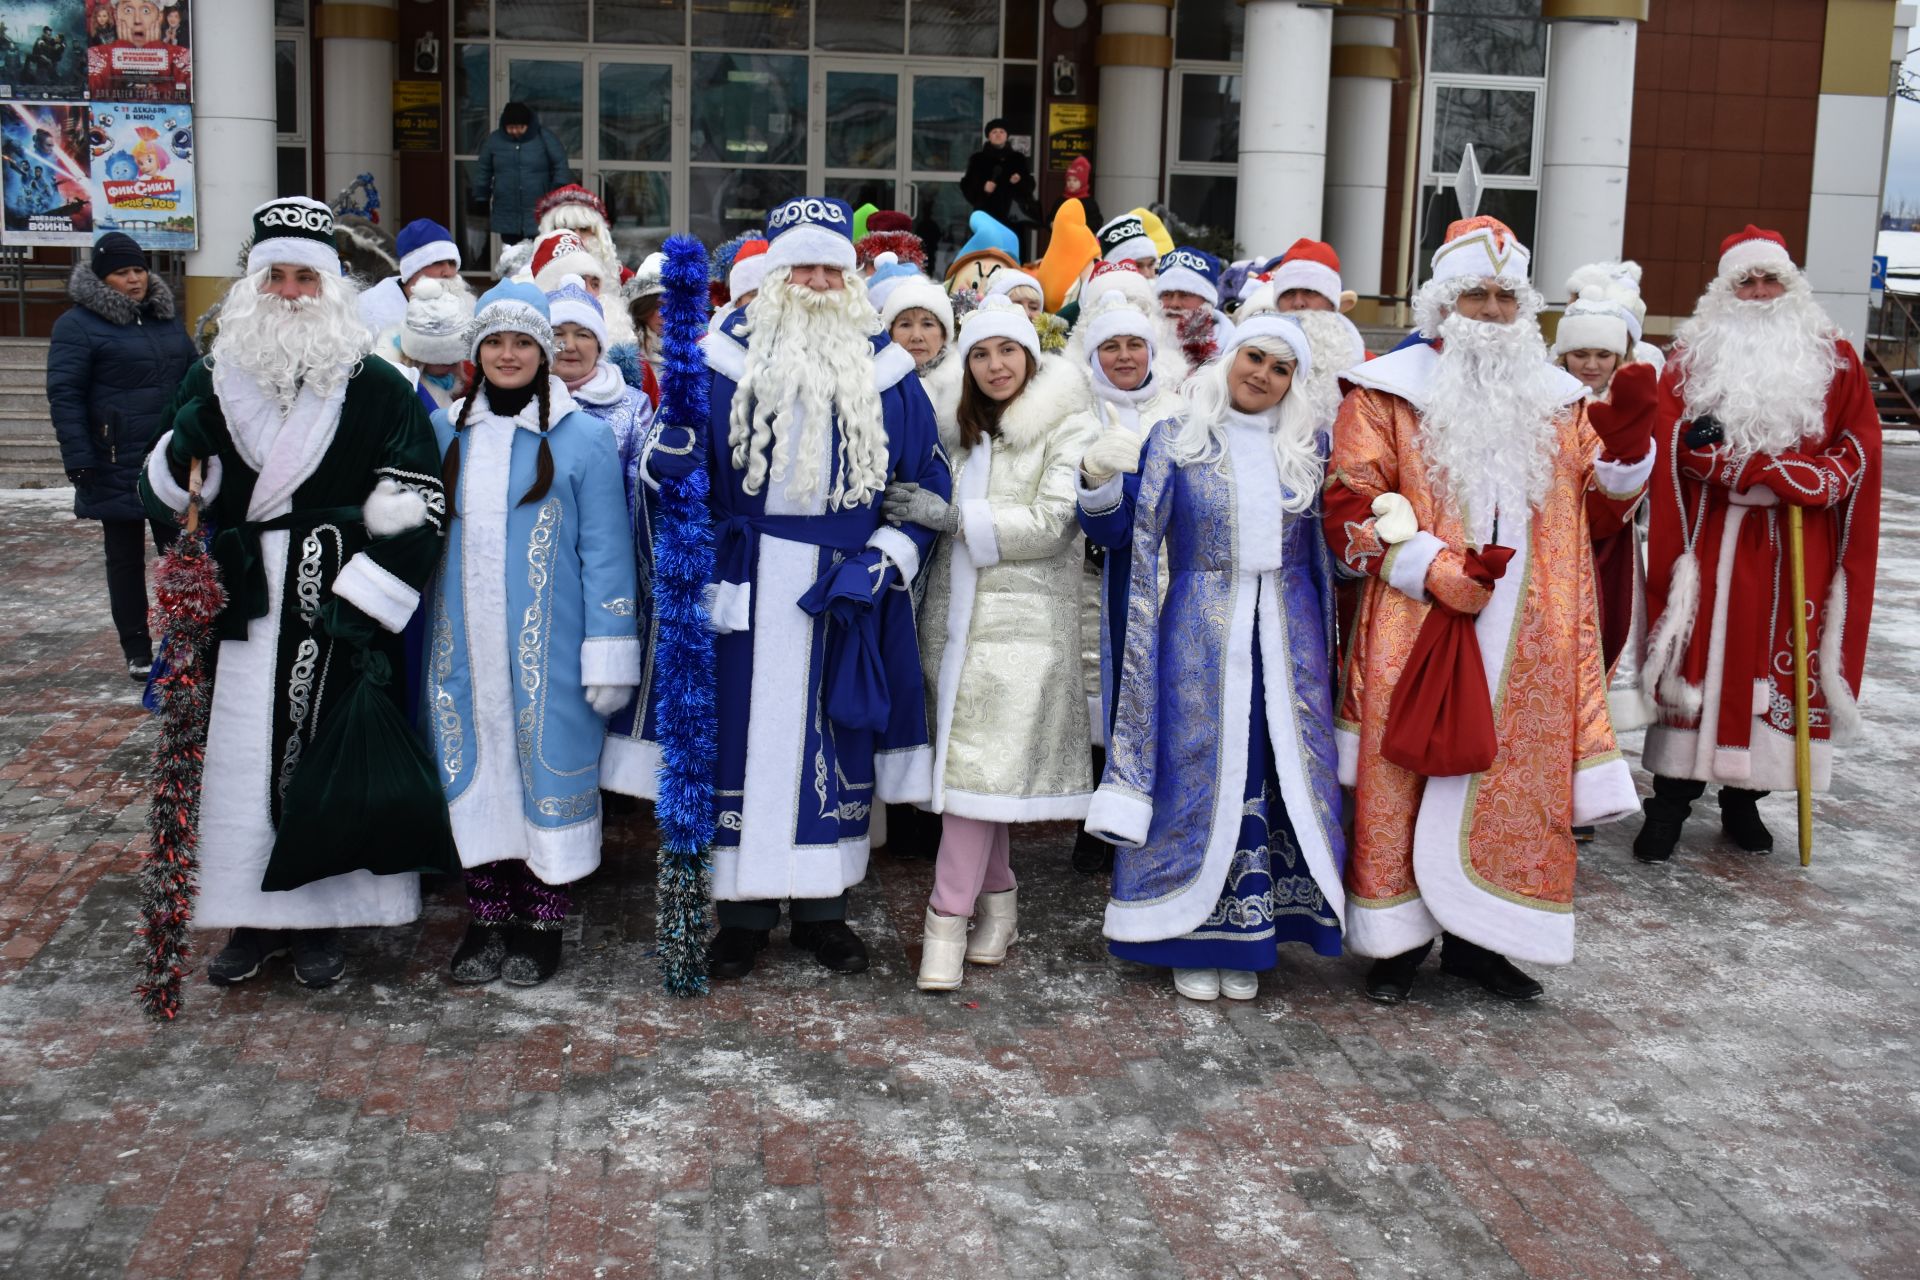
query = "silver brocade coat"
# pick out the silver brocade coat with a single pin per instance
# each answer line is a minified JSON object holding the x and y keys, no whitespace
{"x":1000,"y":628}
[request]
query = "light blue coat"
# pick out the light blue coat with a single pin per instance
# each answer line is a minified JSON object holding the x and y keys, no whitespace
{"x":534,"y":602}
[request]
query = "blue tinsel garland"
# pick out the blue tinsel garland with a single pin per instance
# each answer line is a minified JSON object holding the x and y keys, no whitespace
{"x":683,"y":684}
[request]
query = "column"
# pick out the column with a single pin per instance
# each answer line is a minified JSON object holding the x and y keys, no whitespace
{"x":1133,"y":54}
{"x":1863,"y":39}
{"x":1283,"y":125}
{"x":1583,"y":178}
{"x":357,"y":50}
{"x":233,"y":121}
{"x":1364,"y":65}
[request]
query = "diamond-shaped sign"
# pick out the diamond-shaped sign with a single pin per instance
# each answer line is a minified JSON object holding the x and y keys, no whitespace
{"x":1466,"y":183}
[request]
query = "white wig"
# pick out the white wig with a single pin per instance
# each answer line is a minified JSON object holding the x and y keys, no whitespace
{"x":1200,"y":435}
{"x":1434,"y":300}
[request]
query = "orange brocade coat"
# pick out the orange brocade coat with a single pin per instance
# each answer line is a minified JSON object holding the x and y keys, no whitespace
{"x":1490,"y":856}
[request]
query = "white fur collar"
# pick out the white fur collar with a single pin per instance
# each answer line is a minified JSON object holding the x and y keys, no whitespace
{"x":284,"y":449}
{"x":559,"y":405}
{"x":1058,"y":389}
{"x":725,"y":355}
{"x":890,"y":364}
{"x":1408,"y":373}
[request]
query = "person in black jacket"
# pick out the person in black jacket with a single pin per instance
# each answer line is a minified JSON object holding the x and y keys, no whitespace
{"x":115,"y":362}
{"x":519,"y":162}
{"x":998,"y":180}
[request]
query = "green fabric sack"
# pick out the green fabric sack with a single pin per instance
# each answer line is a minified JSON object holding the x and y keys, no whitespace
{"x":365,"y":797}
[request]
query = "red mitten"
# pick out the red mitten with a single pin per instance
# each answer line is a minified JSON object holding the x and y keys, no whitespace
{"x":1463,"y":583}
{"x":1624,"y":421}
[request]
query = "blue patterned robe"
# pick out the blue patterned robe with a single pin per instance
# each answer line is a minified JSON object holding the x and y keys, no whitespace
{"x":821,"y":714}
{"x":1249,"y":595}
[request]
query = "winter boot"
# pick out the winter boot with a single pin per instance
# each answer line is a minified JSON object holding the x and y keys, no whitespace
{"x":995,"y":931}
{"x":1666,"y":809}
{"x":733,"y":951}
{"x":318,"y":958}
{"x":1494,"y":972}
{"x":246,"y":950}
{"x":943,"y":952}
{"x":1197,"y":984}
{"x":834,"y":944}
{"x":1740,"y":820}
{"x":533,"y":955}
{"x":481,"y":951}
{"x":1390,"y":980}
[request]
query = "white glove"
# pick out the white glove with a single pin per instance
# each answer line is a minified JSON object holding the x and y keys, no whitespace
{"x":1393,"y":518}
{"x":1114,"y":453}
{"x":605,"y":699}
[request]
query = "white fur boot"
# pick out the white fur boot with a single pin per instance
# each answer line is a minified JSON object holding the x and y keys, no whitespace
{"x":995,"y":931}
{"x":943,"y":952}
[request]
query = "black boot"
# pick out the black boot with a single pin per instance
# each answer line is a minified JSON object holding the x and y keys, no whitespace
{"x":1740,"y":820}
{"x":533,"y":955}
{"x":833,"y":944}
{"x":1666,"y":812}
{"x":318,"y":957}
{"x":481,"y":951}
{"x":1494,"y":972}
{"x":733,"y":951}
{"x":1091,"y":855}
{"x":246,"y":950}
{"x":1390,"y":981}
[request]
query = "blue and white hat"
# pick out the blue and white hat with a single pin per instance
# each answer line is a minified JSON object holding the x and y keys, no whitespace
{"x":572,"y":304}
{"x":510,"y":307}
{"x":1189,"y":270}
{"x":810,"y":231}
{"x":422,"y":243}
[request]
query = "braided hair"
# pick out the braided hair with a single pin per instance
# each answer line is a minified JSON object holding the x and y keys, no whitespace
{"x":543,"y":466}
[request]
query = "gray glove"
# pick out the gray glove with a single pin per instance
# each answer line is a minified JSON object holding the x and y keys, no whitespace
{"x":907,"y":503}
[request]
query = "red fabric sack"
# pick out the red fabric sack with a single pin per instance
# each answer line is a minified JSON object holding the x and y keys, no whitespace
{"x":1441,"y":722}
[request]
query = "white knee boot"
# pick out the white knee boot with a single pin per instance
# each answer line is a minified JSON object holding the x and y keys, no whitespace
{"x":995,"y":930}
{"x":943,"y":952}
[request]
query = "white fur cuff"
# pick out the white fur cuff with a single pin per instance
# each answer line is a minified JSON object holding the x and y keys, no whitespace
{"x":976,"y":530}
{"x":1120,"y":817}
{"x":610,"y":660}
{"x":1603,"y":792}
{"x":1622,"y":480}
{"x":1104,"y":499}
{"x":368,"y":587}
{"x":392,"y":508}
{"x":1346,"y":745}
{"x":160,"y":478}
{"x":897,"y":547}
{"x":1406,"y":564}
{"x":729,"y":606}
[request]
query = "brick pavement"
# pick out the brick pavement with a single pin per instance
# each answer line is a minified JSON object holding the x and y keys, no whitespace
{"x":1723,"y":1084}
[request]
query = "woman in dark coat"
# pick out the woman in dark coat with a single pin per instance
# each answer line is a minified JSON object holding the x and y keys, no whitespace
{"x":115,"y":361}
{"x":519,"y":162}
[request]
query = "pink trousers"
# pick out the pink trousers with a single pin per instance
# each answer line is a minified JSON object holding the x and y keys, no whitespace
{"x":974,"y":858}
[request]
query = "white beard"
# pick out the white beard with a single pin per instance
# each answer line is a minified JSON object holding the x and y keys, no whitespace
{"x":284,"y":344}
{"x":1330,"y":342}
{"x":810,"y":358}
{"x":1488,"y":430}
{"x":1762,"y":369}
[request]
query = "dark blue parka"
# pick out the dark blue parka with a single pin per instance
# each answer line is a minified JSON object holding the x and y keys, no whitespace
{"x":113,"y":367}
{"x":515,"y":174}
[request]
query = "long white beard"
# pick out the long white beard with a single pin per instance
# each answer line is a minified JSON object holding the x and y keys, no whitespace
{"x":1330,"y":341}
{"x":1762,"y":369}
{"x":1487,"y":431}
{"x":810,"y":357}
{"x":286,"y":344}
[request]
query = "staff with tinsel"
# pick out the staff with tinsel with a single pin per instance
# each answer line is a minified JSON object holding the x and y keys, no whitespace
{"x":683,"y":685}
{"x":188,"y":597}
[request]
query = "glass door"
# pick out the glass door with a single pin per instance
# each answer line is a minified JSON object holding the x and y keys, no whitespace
{"x":622,"y":119}
{"x":899,"y":137}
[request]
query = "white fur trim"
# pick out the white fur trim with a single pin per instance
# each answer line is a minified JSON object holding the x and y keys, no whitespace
{"x":368,"y":587}
{"x":1304,"y":273}
{"x":1660,"y":678}
{"x":1587,"y":330}
{"x":809,"y":246}
{"x":1001,"y":320}
{"x":1603,"y":792}
{"x":1758,"y":496}
{"x":899,"y":548}
{"x":1406,"y":564}
{"x":902,"y":777}
{"x":890,"y":365}
{"x":1842,"y":707}
{"x":160,"y":478}
{"x":1379,"y":932}
{"x":972,"y":471}
{"x":1630,"y":709}
{"x":1284,"y":735}
{"x":573,"y":311}
{"x":1120,"y":817}
{"x":724,"y":356}
{"x":1406,"y":373}
{"x":610,"y":660}
{"x":1104,"y":498}
{"x":292,"y":251}
{"x":1186,"y":280}
{"x":1750,"y":254}
{"x":1273,"y":326}
{"x":1003,"y":282}
{"x":729,"y":606}
{"x":392,"y":508}
{"x":631,"y":765}
{"x":918,"y":291}
{"x":985,"y":808}
{"x":748,"y":275}
{"x":976,"y":530}
{"x":1115,"y":321}
{"x":412,"y":264}
{"x":283,"y":449}
{"x":1622,"y":480}
{"x":1138,"y":248}
{"x":1346,"y":746}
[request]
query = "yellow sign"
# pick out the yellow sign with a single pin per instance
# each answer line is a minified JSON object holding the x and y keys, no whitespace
{"x":417,"y":116}
{"x":1069,"y":132}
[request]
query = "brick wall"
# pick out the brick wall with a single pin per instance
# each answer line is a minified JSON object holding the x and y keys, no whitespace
{"x":1725,"y":96}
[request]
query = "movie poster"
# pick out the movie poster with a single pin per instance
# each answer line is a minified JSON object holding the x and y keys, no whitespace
{"x":139,"y":51}
{"x":142,"y":168}
{"x":49,"y":199}
{"x":43,"y":49}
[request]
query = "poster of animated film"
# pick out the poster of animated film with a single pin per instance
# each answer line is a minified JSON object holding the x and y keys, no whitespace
{"x":139,"y":51}
{"x":74,"y":171}
{"x":43,"y":49}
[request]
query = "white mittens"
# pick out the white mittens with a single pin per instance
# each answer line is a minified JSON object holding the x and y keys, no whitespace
{"x":1393,"y":518}
{"x":1114,"y":453}
{"x":605,"y":699}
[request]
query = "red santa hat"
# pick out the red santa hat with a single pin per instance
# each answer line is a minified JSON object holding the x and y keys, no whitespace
{"x":560,"y":254}
{"x":1309,"y":264}
{"x":749,"y":270}
{"x":1755,"y":249}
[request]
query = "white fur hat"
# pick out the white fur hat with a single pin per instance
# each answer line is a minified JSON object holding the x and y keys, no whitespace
{"x":1003,"y":282}
{"x":1277,"y":327}
{"x":997,"y":317}
{"x":918,"y":291}
{"x":435,"y":330}
{"x":1113,"y":315}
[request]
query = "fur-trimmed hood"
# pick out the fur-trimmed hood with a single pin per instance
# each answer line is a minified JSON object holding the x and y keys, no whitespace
{"x":942,"y":385}
{"x":1058,"y":389}
{"x":96,"y":295}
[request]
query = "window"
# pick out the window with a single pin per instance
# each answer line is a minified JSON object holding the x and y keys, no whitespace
{"x":1209,"y":30}
{"x":291,"y":104}
{"x":1203,"y":143}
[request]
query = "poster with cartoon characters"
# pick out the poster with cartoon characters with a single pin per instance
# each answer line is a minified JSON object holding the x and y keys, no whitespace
{"x":43,"y":49}
{"x":142,"y":168}
{"x":139,"y":51}
{"x":48,"y":195}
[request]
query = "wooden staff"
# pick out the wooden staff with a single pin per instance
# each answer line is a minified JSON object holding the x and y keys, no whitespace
{"x":1802,"y":732}
{"x":193,"y":497}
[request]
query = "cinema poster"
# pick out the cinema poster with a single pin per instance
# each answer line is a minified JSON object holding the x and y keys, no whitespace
{"x":140,"y":50}
{"x":48,"y":184}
